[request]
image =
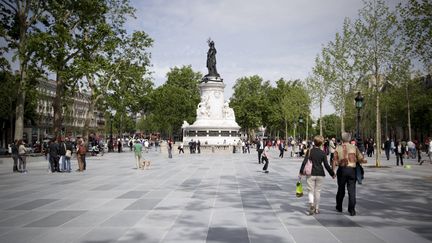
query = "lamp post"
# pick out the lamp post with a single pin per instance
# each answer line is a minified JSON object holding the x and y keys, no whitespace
{"x":300,"y":120}
{"x":111,"y":143}
{"x":359,"y":105}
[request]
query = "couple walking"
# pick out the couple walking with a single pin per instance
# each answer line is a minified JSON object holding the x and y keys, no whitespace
{"x":346,"y":157}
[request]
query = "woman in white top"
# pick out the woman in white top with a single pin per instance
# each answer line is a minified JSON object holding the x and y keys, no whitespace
{"x":265,"y":156}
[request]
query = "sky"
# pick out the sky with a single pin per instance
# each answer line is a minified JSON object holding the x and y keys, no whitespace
{"x":273,"y":38}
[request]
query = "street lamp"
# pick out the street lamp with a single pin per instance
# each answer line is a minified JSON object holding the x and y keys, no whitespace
{"x":359,"y":105}
{"x":300,"y":120}
{"x":111,"y":143}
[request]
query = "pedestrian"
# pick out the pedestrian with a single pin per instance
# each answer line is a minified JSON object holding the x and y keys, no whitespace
{"x":138,"y":152}
{"x":81,"y":152}
{"x":260,"y":150}
{"x":15,"y":156}
{"x":68,"y":155}
{"x":22,"y":157}
{"x":281,"y":149}
{"x":119,"y":145}
{"x":170,"y":144}
{"x":387,"y":147}
{"x":191,"y":146}
{"x":198,"y":144}
{"x":54,"y":156}
{"x":346,"y":158}
{"x":316,"y":178}
{"x":419,"y":148}
{"x":131,"y":144}
{"x":62,"y":155}
{"x":265,"y":156}
{"x":180,"y":148}
{"x":400,"y":151}
{"x":332,"y":148}
{"x":146,"y":145}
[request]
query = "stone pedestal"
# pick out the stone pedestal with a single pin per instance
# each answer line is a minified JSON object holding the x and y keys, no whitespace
{"x":215,"y":124}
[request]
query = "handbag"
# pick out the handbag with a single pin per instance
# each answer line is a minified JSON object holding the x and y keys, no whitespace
{"x":307,"y":170}
{"x":68,"y":153}
{"x":359,"y":173}
{"x":299,"y":189}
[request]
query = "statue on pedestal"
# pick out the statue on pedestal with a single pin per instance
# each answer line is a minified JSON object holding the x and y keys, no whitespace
{"x":211,"y":60}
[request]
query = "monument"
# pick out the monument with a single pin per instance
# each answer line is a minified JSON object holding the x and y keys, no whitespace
{"x":215,"y":123}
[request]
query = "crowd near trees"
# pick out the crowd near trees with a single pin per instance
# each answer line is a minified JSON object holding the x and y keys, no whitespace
{"x":385,"y":53}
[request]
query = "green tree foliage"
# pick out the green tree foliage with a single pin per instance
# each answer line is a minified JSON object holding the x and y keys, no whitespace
{"x":417,"y":29}
{"x":249,"y":102}
{"x":19,"y":21}
{"x":174,"y":102}
{"x":318,"y":83}
{"x":330,"y":126}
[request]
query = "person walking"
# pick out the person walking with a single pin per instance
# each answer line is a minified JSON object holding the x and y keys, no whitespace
{"x":15,"y":156}
{"x":260,"y":150}
{"x":332,"y":148}
{"x":346,"y":158}
{"x":281,"y":149}
{"x":119,"y":145}
{"x":22,"y":150}
{"x":138,"y":152}
{"x":180,"y":148}
{"x":387,"y":147}
{"x":265,"y":157}
{"x":170,"y":144}
{"x":316,"y":178}
{"x":400,"y":151}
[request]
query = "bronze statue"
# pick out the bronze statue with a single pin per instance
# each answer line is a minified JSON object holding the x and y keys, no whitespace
{"x":211,"y":60}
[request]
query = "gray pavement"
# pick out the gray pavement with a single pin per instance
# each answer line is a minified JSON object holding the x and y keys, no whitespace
{"x":206,"y":198}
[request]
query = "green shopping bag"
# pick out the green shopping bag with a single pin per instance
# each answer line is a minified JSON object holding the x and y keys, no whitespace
{"x":299,"y":189}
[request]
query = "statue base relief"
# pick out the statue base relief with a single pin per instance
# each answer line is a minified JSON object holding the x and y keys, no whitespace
{"x":215,"y":124}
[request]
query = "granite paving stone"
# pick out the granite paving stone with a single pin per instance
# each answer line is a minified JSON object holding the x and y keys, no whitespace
{"x":221,"y":197}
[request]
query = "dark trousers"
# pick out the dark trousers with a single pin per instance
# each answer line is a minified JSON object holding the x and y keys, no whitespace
{"x":54,"y":161}
{"x":83,"y":157}
{"x":15,"y":162}
{"x":399,"y":156}
{"x":331,"y":158}
{"x":387,"y":152}
{"x":266,"y":163}
{"x":260,"y":151}
{"x":346,"y":176}
{"x":281,"y":153}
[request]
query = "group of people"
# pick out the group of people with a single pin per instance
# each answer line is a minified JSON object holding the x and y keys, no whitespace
{"x":59,"y":155}
{"x":19,"y":151}
{"x":345,"y":165}
{"x":347,"y":158}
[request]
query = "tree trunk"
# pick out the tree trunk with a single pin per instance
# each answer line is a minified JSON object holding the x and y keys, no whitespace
{"x":342,"y":122}
{"x":57,"y":106}
{"x":19,"y":111}
{"x":378,"y":128}
{"x":286,"y":130}
{"x":88,"y":118}
{"x":409,"y":113}
{"x":307,"y":127}
{"x":320,"y":125}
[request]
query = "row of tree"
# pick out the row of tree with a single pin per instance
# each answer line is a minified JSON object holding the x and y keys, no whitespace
{"x":373,"y":54}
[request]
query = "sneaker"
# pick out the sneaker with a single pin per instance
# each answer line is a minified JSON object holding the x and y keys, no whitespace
{"x":311,"y":210}
{"x":266,"y":171}
{"x":317,"y":211}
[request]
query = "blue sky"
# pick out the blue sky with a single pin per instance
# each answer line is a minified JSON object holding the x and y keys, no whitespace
{"x":273,"y":38}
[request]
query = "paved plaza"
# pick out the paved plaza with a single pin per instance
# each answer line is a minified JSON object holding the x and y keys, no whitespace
{"x":206,"y":198}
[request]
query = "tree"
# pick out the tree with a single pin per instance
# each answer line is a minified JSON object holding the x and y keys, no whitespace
{"x":175,"y":101}
{"x":330,"y":125}
{"x":249,"y":102}
{"x":19,"y":22}
{"x":375,"y":45}
{"x":70,"y":30}
{"x":318,"y":83}
{"x":342,"y":69}
{"x":417,"y":29}
{"x":118,"y":69}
